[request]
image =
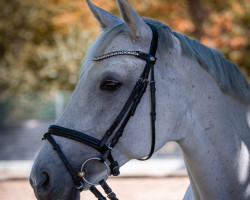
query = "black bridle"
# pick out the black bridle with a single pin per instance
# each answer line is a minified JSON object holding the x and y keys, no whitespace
{"x":117,"y":127}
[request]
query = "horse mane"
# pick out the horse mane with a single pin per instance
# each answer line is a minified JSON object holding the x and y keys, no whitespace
{"x":227,"y":75}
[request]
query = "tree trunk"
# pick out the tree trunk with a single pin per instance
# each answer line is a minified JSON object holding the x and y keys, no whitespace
{"x":197,"y":14}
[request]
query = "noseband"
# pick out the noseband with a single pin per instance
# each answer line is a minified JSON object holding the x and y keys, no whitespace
{"x":117,"y":127}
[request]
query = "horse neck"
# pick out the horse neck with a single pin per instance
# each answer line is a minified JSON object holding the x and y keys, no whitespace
{"x":217,"y":157}
{"x":216,"y":138}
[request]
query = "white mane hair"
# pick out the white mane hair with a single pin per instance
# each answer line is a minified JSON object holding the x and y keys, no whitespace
{"x":227,"y":75}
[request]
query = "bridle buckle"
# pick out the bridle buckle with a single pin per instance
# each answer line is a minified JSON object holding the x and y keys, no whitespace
{"x":79,"y":187}
{"x":109,"y":147}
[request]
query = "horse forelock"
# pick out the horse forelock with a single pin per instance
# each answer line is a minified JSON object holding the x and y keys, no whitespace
{"x":227,"y":75}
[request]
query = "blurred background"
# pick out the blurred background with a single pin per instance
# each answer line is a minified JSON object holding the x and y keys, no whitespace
{"x":42,"y":44}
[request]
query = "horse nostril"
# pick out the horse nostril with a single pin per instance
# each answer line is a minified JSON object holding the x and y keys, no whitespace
{"x":44,"y":182}
{"x":40,"y":183}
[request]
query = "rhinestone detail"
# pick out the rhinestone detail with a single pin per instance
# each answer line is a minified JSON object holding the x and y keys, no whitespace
{"x":117,"y":53}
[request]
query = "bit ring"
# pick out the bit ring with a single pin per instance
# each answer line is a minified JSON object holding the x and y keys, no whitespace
{"x":99,"y":159}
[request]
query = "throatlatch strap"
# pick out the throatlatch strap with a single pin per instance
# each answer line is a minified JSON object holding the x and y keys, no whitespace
{"x":153,"y":49}
{"x":152,"y":114}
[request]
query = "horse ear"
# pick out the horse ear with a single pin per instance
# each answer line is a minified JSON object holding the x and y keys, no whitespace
{"x":137,"y":27}
{"x":104,"y":18}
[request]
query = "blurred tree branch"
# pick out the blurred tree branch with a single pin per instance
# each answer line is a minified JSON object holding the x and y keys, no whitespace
{"x":197,"y":14}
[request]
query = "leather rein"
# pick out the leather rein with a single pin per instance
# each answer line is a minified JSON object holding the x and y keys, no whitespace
{"x":117,"y":127}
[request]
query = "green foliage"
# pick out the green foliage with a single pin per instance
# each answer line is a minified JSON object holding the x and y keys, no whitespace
{"x":22,"y":30}
{"x":37,"y":54}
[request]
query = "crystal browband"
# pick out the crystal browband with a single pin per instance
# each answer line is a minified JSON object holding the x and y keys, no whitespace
{"x":139,"y":54}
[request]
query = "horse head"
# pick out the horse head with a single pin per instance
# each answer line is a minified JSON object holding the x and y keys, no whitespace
{"x":104,"y":87}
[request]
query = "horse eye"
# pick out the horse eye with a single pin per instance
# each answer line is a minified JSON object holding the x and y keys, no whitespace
{"x":110,"y":85}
